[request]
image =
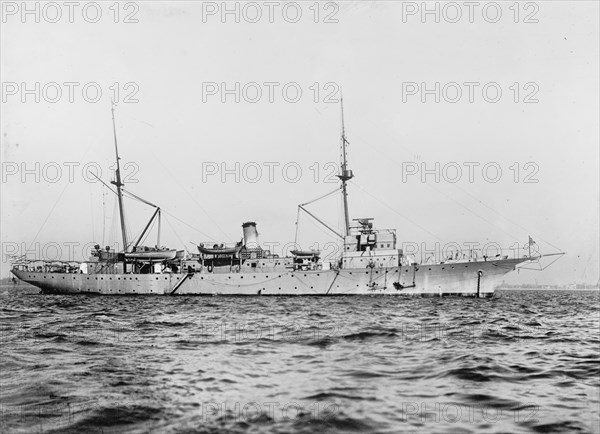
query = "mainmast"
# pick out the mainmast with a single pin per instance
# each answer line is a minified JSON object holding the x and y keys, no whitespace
{"x":345,"y":174}
{"x":117,"y":182}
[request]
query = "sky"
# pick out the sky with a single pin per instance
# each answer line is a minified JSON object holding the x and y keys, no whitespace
{"x":469,"y":127}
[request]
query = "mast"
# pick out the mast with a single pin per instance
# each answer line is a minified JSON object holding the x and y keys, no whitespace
{"x":117,"y":182}
{"x":345,"y":174}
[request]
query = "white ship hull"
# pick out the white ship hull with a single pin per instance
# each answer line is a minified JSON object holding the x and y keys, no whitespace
{"x":462,"y":278}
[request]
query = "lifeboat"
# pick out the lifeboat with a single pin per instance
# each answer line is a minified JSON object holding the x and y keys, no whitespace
{"x":152,"y":254}
{"x":306,"y":253}
{"x":220,"y":250}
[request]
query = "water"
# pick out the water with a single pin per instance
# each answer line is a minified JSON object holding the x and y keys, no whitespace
{"x":524,"y":361}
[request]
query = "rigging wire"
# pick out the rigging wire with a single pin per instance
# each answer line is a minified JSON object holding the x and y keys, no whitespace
{"x":397,"y":212}
{"x":103,"y":216}
{"x":59,"y":197}
{"x":92,"y":213}
{"x":143,"y":240}
{"x":50,"y":213}
{"x":506,"y":218}
{"x":388,"y":158}
{"x":133,"y":196}
{"x":188,"y":225}
{"x":159,"y":160}
{"x":301,"y":207}
{"x":176,"y":234}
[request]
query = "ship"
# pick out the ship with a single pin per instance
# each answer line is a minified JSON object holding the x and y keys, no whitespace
{"x":369,"y":262}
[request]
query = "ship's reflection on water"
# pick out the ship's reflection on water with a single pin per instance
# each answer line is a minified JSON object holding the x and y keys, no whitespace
{"x":524,"y":361}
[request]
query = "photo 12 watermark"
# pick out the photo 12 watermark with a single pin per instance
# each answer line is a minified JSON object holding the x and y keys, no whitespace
{"x":444,"y":332}
{"x":453,"y":252}
{"x":53,"y":12}
{"x":252,"y":12}
{"x":270,"y":92}
{"x":452,"y":172}
{"x":471,"y":92}
{"x":452,"y":12}
{"x":202,"y":333}
{"x":69,"y":92}
{"x":273,"y":411}
{"x":49,"y":416}
{"x":253,"y":172}
{"x":54,"y":172}
{"x":238,"y":332}
{"x":450,"y":412}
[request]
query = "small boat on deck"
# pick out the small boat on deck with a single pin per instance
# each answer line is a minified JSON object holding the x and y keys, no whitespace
{"x":145,"y":253}
{"x":306,"y":253}
{"x":221,"y":249}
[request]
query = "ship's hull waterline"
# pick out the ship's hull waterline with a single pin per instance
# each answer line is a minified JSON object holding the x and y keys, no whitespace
{"x":462,"y":279}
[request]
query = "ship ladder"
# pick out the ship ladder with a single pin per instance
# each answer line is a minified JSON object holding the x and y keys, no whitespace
{"x":178,"y":284}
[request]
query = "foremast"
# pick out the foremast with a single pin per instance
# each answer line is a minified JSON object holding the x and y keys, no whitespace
{"x":119,"y":184}
{"x":345,"y":174}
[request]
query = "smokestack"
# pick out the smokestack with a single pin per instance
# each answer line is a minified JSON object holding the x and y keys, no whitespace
{"x":250,"y":235}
